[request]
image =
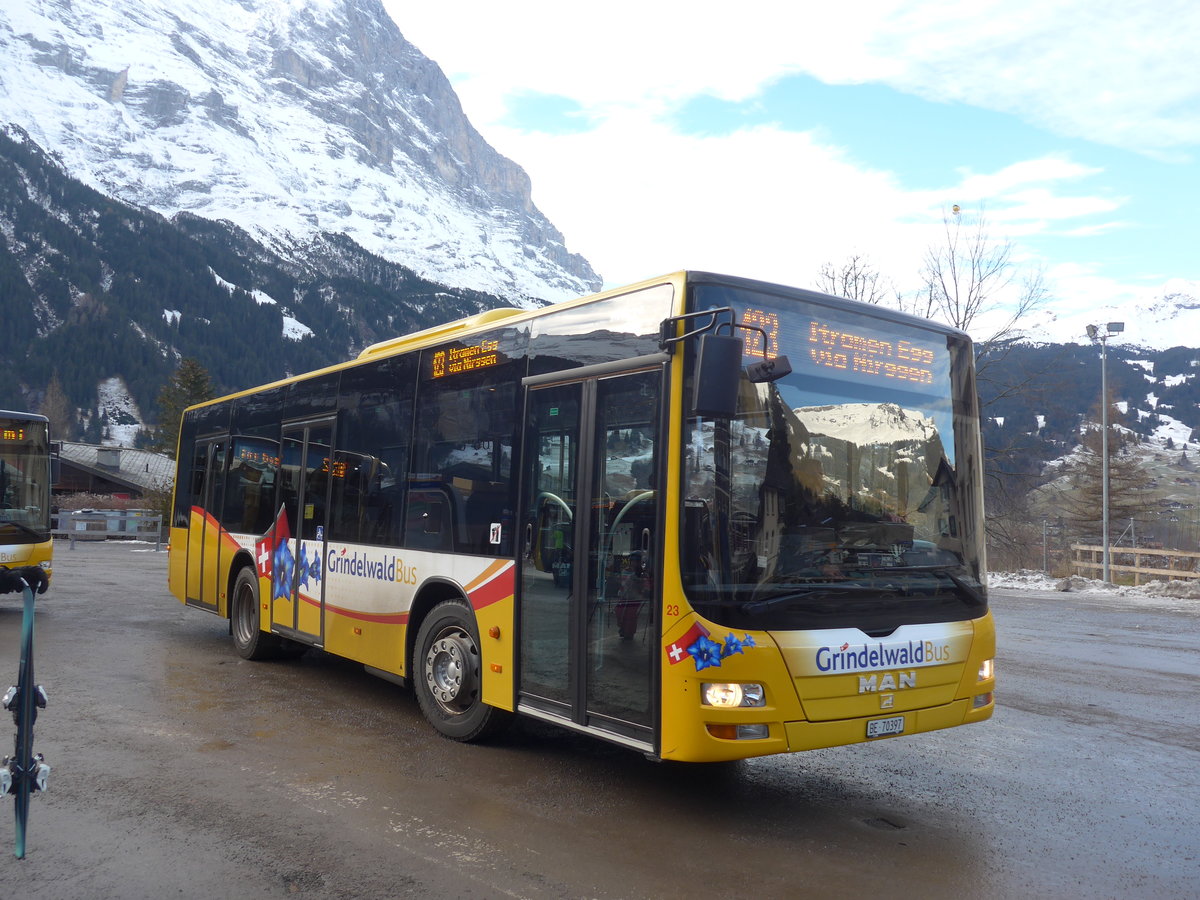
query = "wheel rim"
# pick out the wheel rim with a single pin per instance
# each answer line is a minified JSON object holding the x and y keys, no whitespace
{"x":452,"y":670}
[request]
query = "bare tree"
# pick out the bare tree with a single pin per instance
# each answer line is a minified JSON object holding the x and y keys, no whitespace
{"x":857,"y":279}
{"x":970,"y":275}
{"x":969,"y":280}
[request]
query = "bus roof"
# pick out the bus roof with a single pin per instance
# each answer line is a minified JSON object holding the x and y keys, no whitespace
{"x":22,"y":416}
{"x":490,"y":317}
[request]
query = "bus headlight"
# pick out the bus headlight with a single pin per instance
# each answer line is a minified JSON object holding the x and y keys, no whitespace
{"x":728,"y":696}
{"x":987,"y":669}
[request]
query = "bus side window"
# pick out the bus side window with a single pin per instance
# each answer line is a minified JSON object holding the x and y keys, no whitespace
{"x":428,"y":525}
{"x":465,"y":428}
{"x":368,"y":487}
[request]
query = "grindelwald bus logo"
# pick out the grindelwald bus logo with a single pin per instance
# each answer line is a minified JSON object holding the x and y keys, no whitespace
{"x":387,"y":567}
{"x":881,"y":655}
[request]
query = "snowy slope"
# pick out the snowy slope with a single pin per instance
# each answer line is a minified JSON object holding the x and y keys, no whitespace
{"x":288,"y":118}
{"x":1164,"y":317}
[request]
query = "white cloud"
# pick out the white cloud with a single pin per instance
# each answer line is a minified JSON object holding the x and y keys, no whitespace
{"x":637,"y":197}
{"x":643,"y":199}
{"x":1120,"y":72}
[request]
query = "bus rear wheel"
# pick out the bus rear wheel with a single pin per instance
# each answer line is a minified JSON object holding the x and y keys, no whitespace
{"x":448,"y":677}
{"x":249,"y":639}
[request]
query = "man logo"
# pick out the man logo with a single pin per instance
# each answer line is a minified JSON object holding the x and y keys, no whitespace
{"x":887,"y":701}
{"x":871,"y":684}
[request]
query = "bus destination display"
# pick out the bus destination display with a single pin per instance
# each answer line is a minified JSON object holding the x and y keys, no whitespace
{"x":858,"y":353}
{"x":457,"y":360}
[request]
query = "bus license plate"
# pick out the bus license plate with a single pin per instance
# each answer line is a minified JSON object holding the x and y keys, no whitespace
{"x":885,"y":727}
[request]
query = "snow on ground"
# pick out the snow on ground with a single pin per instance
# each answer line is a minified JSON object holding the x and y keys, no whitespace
{"x":1172,"y":429}
{"x":1187,"y":593}
{"x":124,"y":419}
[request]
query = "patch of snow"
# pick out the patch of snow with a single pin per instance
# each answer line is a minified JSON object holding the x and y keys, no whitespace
{"x":124,"y":418}
{"x":1171,"y":429}
{"x":1153,"y":593}
{"x":295,"y":330}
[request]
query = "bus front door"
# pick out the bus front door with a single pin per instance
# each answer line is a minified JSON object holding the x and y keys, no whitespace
{"x":589,"y":556}
{"x":304,"y":476}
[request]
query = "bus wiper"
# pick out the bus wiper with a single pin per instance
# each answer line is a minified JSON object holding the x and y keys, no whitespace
{"x":25,"y":528}
{"x":972,"y":592}
{"x":758,"y":607}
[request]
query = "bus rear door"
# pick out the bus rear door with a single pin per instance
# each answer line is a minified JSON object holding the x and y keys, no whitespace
{"x":306,"y":464}
{"x":204,"y":533}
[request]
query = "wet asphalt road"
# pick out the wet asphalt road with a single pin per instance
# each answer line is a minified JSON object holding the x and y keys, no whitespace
{"x":182,"y":771}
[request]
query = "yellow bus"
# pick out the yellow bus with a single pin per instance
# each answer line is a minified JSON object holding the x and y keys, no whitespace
{"x":25,"y":481}
{"x":701,"y":517}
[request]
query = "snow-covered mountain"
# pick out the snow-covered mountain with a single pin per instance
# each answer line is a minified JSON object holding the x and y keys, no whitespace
{"x":289,"y":118}
{"x":1163,"y":317}
{"x":864,"y":424}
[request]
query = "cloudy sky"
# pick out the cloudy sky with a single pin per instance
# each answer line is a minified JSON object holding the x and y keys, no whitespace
{"x":766,"y":138}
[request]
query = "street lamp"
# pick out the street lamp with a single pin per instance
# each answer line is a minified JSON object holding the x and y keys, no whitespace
{"x":1098,"y":335}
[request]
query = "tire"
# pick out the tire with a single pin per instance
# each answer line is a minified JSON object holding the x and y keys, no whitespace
{"x":447,"y":675}
{"x":249,"y":639}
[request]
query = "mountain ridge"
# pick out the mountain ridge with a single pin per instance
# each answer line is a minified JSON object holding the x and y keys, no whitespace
{"x":291,"y":119}
{"x":92,"y":288}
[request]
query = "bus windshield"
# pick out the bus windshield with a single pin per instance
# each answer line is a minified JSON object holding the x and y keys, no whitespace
{"x":847,"y":493}
{"x":24,"y":481}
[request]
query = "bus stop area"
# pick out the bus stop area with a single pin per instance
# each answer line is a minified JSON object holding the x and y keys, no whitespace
{"x":181,"y":770}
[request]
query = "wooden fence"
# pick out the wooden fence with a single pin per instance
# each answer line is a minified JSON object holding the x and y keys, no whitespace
{"x":1143,"y":565}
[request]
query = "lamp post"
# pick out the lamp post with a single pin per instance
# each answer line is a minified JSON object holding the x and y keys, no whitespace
{"x":1100,"y":336}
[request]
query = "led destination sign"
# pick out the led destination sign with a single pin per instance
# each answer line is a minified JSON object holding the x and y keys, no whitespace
{"x":856,"y":353}
{"x":902,"y":360}
{"x":12,"y":433}
{"x":457,"y":360}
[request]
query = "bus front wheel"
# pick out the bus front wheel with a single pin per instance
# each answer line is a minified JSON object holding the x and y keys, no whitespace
{"x":249,"y":639}
{"x":448,"y":677}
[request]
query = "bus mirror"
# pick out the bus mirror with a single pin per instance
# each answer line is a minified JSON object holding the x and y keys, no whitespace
{"x":718,"y":367}
{"x":769,"y":370}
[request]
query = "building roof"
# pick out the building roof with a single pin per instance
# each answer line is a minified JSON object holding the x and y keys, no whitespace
{"x":142,"y":470}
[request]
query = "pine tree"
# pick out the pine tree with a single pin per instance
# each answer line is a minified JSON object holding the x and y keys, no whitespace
{"x":190,"y":384}
{"x":64,"y":426}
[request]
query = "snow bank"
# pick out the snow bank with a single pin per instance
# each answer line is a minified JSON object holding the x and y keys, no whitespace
{"x":1179,"y":595}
